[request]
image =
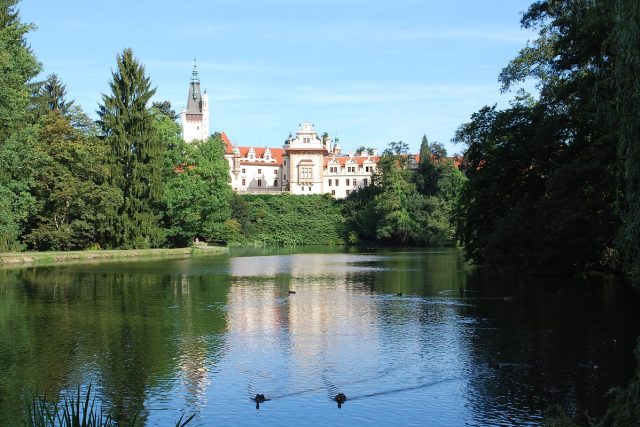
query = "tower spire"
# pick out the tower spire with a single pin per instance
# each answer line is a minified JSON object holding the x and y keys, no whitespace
{"x":194,"y":73}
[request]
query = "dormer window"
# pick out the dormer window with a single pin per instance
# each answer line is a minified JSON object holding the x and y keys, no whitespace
{"x":251,"y":154}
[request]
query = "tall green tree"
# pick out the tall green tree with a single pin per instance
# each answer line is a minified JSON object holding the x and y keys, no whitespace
{"x":541,"y":190}
{"x":626,"y":42}
{"x":406,"y":205}
{"x":74,"y":199}
{"x":136,"y":155}
{"x":165,"y":108}
{"x":53,"y":95}
{"x":198,"y":195}
{"x":18,"y":66}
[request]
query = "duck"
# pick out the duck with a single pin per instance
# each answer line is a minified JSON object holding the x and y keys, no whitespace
{"x":340,"y":398}
{"x":259,"y":399}
{"x":292,"y":292}
{"x":399,"y":294}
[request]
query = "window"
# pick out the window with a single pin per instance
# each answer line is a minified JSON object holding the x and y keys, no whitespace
{"x":306,"y":173}
{"x":302,"y":189}
{"x":354,"y":183}
{"x":309,"y":188}
{"x":347,"y":192}
{"x":330,"y":183}
{"x":351,"y":169}
{"x":259,"y":183}
{"x":244,"y":170}
{"x":244,"y":181}
{"x":333,"y":192}
{"x":337,"y":182}
{"x":347,"y":182}
{"x":275,"y":182}
{"x":367,"y":169}
{"x":275,"y":171}
{"x":285,"y":176}
{"x":259,"y":171}
{"x":366,"y":182}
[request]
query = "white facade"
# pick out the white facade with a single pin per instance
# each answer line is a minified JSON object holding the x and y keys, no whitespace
{"x":306,"y":163}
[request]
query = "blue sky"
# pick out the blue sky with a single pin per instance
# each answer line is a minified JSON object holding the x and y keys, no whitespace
{"x":372,"y":71}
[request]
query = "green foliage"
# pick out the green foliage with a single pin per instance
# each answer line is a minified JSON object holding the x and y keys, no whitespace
{"x":626,"y":42}
{"x":74,"y":199}
{"x":197,"y":195}
{"x":18,"y":66}
{"x":164,"y":107}
{"x":406,"y":206}
{"x":541,"y":189}
{"x":285,"y":220}
{"x":625,"y":408}
{"x":136,"y":157}
{"x":69,"y":410}
{"x":17,"y":204}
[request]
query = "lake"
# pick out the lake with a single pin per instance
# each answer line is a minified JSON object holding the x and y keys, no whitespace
{"x":411,"y":337}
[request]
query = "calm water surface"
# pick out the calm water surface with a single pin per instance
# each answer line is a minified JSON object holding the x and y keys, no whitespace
{"x":412,"y":337}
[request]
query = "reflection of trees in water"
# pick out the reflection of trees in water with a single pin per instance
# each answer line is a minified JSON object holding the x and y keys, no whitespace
{"x":125,"y":332}
{"x":545,"y":342}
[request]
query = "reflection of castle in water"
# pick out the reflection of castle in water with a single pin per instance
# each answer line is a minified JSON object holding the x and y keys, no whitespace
{"x":312,"y":324}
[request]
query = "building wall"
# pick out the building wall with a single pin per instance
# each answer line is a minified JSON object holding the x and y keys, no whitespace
{"x":301,"y":183}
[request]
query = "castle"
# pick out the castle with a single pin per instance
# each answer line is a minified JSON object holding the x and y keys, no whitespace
{"x":306,"y":164}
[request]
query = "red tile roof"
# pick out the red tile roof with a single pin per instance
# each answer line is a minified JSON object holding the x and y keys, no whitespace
{"x":343,"y":160}
{"x":276,"y":153}
{"x":227,"y":143}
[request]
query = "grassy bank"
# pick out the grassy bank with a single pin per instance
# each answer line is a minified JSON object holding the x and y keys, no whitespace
{"x":17,"y":258}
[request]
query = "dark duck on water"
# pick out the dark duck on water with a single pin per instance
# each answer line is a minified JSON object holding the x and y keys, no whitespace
{"x":259,"y":399}
{"x":340,"y":398}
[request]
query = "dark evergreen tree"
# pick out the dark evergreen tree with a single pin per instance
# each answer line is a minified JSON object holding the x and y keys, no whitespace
{"x":626,"y":41}
{"x":17,"y":67}
{"x":164,"y":107}
{"x":53,"y":95}
{"x":136,"y":155}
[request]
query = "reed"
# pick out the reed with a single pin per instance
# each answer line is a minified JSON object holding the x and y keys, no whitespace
{"x":73,"y":410}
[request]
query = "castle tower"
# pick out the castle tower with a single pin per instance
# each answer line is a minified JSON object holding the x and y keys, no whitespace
{"x":305,"y":153}
{"x":195,"y":118}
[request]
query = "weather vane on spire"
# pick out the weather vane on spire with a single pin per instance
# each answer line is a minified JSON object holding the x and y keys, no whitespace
{"x":194,"y":73}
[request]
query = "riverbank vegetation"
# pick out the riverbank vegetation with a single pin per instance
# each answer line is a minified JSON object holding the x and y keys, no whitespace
{"x":550,"y":182}
{"x":406,"y":204}
{"x":285,"y":220}
{"x":553,"y":181}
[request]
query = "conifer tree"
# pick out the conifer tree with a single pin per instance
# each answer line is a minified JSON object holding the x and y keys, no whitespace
{"x":626,"y":38}
{"x":18,"y":66}
{"x":136,"y":154}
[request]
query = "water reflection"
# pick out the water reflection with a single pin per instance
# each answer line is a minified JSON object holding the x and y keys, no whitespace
{"x":206,"y":335}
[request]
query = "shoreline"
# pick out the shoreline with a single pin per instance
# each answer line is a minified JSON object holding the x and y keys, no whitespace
{"x":17,"y":259}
